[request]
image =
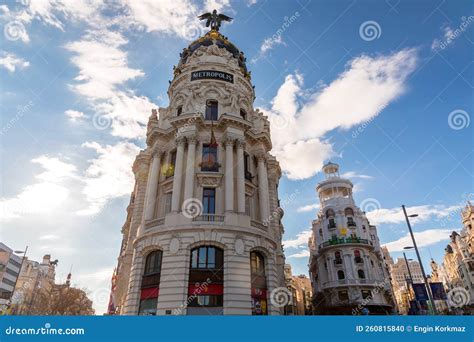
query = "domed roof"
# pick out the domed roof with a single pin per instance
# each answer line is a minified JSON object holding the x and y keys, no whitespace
{"x":214,"y":37}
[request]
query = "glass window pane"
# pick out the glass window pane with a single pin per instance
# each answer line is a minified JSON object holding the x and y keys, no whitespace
{"x":202,"y":257}
{"x":211,"y":257}
{"x":194,"y":258}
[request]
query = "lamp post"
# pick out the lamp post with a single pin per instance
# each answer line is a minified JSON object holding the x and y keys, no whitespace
{"x":409,"y":275}
{"x":428,"y":289}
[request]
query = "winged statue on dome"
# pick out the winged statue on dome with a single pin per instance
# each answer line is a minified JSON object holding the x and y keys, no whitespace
{"x":214,"y":20}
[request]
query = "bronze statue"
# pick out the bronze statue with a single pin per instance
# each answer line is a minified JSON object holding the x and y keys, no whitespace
{"x":214,"y":20}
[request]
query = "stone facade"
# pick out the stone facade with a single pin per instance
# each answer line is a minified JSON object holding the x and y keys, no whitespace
{"x":301,"y":293}
{"x":205,"y":179}
{"x":458,"y":262}
{"x":347,"y":270}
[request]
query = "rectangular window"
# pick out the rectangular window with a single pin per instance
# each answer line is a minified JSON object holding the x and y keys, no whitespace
{"x":211,"y":110}
{"x":209,"y":158}
{"x":167,"y":203}
{"x":343,"y":295}
{"x":248,"y":174}
{"x":169,"y":172}
{"x":366,"y":294}
{"x":248,"y":205}
{"x":179,"y":110}
{"x":148,"y":307}
{"x":209,"y":201}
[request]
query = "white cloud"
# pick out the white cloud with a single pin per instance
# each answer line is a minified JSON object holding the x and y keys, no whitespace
{"x":367,"y":86}
{"x":267,"y":45}
{"x":251,"y":2}
{"x":300,"y":241}
{"x":448,"y":32}
{"x":353,"y":174}
{"x":74,"y":115}
{"x":44,"y":196}
{"x":302,"y":254}
{"x":425,"y":212}
{"x":103,"y":72}
{"x":219,"y":5}
{"x":49,"y":237}
{"x":11,"y":62}
{"x":423,"y":239}
{"x":309,"y":207}
{"x":109,"y":175}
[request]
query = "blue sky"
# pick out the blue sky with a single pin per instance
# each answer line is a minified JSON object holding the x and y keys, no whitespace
{"x":384,"y":88}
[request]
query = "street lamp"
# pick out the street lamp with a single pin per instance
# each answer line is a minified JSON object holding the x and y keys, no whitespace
{"x":428,"y":289}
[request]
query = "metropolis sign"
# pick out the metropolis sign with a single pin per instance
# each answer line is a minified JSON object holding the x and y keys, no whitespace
{"x":213,"y":75}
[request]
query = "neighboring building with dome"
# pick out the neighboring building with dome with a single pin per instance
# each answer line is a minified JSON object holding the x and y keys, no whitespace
{"x":346,"y":263}
{"x":203,"y":234}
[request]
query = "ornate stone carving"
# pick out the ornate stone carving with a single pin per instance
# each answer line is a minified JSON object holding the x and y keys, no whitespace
{"x":209,"y":179}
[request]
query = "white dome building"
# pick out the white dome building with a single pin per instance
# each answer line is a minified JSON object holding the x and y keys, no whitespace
{"x":203,"y":232}
{"x":346,"y":264}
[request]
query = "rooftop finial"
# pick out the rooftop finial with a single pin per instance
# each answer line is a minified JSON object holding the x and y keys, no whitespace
{"x":214,"y":20}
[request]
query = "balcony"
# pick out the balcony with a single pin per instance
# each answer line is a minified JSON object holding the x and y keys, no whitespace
{"x":351,"y":223}
{"x":358,"y":260}
{"x":209,"y":218}
{"x":346,"y":282}
{"x":331,"y":226}
{"x":338,"y":262}
{"x":342,"y":241}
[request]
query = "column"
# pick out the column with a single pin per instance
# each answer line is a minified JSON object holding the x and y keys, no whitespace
{"x":152,"y":186}
{"x":263,"y":188}
{"x":229,"y":174}
{"x":240,"y":177}
{"x":178,"y":171}
{"x":189,"y":180}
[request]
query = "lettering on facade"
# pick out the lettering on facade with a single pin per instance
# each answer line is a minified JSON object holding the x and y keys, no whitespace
{"x":213,"y":75}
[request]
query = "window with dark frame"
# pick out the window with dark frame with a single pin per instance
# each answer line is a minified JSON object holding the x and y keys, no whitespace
{"x":209,"y":201}
{"x":206,"y":267}
{"x":209,"y":158}
{"x":258,"y":284}
{"x":179,"y":110}
{"x":150,"y":283}
{"x":211,"y":110}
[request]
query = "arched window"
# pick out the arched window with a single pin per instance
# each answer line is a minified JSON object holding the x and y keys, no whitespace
{"x":179,"y":110}
{"x":340,"y":275}
{"x":211,"y":110}
{"x":337,"y":258}
{"x":206,"y":281}
{"x":330,"y":213}
{"x":357,"y":253}
{"x":150,"y":283}
{"x":259,"y":283}
{"x":349,"y":212}
{"x":361,"y":274}
{"x":243,"y":114}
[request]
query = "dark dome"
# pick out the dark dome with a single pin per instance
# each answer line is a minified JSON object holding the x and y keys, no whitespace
{"x":214,"y":37}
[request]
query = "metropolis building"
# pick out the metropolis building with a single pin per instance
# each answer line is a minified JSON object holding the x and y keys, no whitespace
{"x":203,"y":230}
{"x":346,"y":264}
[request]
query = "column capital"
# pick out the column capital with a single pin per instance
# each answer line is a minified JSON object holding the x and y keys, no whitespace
{"x":262,"y":156}
{"x":192,"y":140}
{"x":240,"y":143}
{"x":229,"y":141}
{"x":156,"y":152}
{"x":180,"y":140}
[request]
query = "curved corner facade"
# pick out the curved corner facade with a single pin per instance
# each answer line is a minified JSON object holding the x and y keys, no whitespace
{"x":203,"y":231}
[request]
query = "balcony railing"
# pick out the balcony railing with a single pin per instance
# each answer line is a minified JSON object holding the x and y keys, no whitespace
{"x":338,"y":262}
{"x":348,"y":240}
{"x":209,"y":218}
{"x":359,"y":260}
{"x":331,"y":226}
